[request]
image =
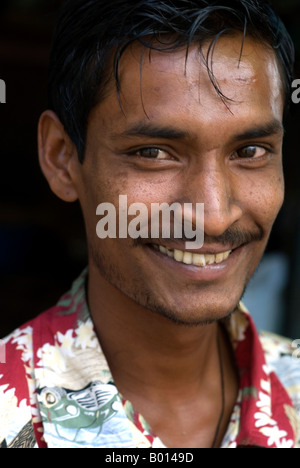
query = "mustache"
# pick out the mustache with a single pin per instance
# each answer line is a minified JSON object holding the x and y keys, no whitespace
{"x":233,"y":236}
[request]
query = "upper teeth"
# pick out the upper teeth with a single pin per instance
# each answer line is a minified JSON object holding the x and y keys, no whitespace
{"x":189,"y":258}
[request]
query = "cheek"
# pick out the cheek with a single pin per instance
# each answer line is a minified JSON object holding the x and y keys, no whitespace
{"x":136,"y":187}
{"x":101,"y":184}
{"x":265,"y":199}
{"x":147,"y":187}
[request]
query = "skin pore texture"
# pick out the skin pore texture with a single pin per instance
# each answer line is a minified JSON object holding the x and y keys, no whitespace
{"x":175,"y":140}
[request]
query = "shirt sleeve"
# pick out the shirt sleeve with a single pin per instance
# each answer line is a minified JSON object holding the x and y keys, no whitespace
{"x":16,"y":412}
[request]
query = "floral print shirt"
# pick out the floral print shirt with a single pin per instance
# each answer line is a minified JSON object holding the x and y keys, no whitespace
{"x":56,"y":389}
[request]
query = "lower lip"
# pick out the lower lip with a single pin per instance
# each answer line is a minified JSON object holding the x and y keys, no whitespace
{"x":205,"y":274}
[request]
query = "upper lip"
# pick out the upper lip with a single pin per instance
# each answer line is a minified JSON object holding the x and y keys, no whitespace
{"x":206,"y":249}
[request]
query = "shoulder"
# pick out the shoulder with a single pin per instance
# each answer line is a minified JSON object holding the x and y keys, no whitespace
{"x":15,"y":383}
{"x":20,"y":424}
{"x":283,"y":357}
{"x":19,"y":351}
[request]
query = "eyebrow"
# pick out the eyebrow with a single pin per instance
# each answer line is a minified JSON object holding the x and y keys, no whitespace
{"x":275,"y":127}
{"x":150,"y":130}
{"x":142,"y":129}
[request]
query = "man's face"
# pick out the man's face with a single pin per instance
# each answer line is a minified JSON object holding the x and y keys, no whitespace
{"x":176,"y":140}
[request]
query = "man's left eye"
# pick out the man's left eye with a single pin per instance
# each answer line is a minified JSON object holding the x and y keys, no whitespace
{"x":251,"y":152}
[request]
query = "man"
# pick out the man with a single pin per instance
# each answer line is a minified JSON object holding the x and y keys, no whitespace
{"x":162,"y":102}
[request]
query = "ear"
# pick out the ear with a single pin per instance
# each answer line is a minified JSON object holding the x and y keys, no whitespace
{"x":56,"y":154}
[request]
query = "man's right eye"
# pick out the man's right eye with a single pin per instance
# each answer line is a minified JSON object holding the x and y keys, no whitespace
{"x":151,"y":153}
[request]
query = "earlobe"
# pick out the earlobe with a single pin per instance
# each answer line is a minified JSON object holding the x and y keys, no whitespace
{"x":56,"y":151}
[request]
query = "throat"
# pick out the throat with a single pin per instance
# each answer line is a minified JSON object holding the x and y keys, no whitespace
{"x":194,"y":413}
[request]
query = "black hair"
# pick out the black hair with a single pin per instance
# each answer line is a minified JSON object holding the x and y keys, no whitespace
{"x":91,"y":36}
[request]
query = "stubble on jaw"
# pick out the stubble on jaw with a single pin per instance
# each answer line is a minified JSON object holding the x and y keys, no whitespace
{"x":145,"y":298}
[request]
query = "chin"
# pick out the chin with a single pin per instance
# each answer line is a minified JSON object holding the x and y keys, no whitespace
{"x":195,"y":315}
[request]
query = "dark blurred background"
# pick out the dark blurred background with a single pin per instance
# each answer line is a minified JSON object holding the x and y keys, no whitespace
{"x":42,"y":242}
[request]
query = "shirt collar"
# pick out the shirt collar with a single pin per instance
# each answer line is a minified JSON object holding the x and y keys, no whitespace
{"x":265,"y":406}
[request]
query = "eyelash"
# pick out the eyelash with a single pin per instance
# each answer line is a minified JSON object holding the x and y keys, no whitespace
{"x":135,"y":153}
{"x":234,"y":156}
{"x":267,"y":152}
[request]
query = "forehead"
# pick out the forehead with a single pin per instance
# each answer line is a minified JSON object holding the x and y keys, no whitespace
{"x":176,"y":86}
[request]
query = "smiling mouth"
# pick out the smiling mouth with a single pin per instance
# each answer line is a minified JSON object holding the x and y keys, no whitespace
{"x":189,"y":258}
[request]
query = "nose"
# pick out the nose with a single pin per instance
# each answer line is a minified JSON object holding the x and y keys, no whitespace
{"x":217,"y":189}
